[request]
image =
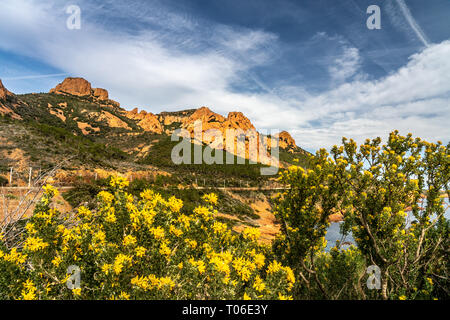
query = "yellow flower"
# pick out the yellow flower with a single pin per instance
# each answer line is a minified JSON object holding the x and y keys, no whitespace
{"x":166,"y":282}
{"x":290,"y":277}
{"x":368,"y":174}
{"x":220,"y":264}
{"x":157,"y":232}
{"x":119,"y":262}
{"x":119,"y":182}
{"x":34,"y":244}
{"x":165,"y":250}
{"x":199,"y":264}
{"x":203,"y":212}
{"x":28,"y":293}
{"x":402,"y":297}
{"x":259,"y":260}
{"x":246,"y":296}
{"x":106,"y":197}
{"x":251,"y":233}
{"x":105,"y":268}
{"x":244,"y":268}
{"x":283,"y":297}
{"x":141,"y":282}
{"x":140,"y":251}
{"x":50,"y":191}
{"x":185,"y":220}
{"x":191,"y":243}
{"x":84,"y":212}
{"x":15,"y":257}
{"x":219,"y":227}
{"x":175,"y":204}
{"x":175,"y":231}
{"x":129,"y":240}
{"x":76,"y":292}
{"x":99,"y":236}
{"x":56,"y":261}
{"x":110,"y":216}
{"x":30,"y":228}
{"x":124,"y":296}
{"x":274,"y":267}
{"x":210,"y":198}
{"x":259,"y":285}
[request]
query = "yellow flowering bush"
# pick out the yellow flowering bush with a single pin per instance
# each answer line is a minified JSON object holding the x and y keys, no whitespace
{"x":138,"y":248}
{"x":371,"y":187}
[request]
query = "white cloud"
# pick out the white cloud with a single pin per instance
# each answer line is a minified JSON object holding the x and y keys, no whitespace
{"x":151,"y":69}
{"x":346,"y":66}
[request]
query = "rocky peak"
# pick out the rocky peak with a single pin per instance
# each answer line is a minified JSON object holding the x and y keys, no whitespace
{"x":74,"y":86}
{"x":150,"y":123}
{"x":237,"y":120}
{"x":206,"y":116}
{"x":147,"y":120}
{"x":4,"y":93}
{"x":135,"y":114}
{"x":286,"y":141}
{"x":101,"y":94}
{"x":81,"y":87}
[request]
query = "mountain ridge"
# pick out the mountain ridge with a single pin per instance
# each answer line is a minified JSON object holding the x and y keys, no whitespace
{"x":86,"y":119}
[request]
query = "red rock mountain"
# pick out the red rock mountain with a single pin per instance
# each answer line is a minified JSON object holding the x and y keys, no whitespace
{"x":5,"y":107}
{"x":165,"y":122}
{"x":4,"y":93}
{"x":286,"y":141}
{"x":82,"y":87}
{"x":74,"y":86}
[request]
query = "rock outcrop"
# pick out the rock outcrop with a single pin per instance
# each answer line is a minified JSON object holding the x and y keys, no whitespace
{"x":209,"y":119}
{"x":74,"y":86}
{"x":101,"y":94}
{"x":286,"y":141}
{"x":147,"y":120}
{"x":151,"y":123}
{"x":7,"y":108}
{"x":4,"y":93}
{"x":237,"y":120}
{"x":81,"y":87}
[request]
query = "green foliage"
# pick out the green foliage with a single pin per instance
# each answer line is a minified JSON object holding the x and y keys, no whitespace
{"x":3,"y":181}
{"x":85,"y":192}
{"x":160,"y":155}
{"x":372,"y":187}
{"x":138,"y":248}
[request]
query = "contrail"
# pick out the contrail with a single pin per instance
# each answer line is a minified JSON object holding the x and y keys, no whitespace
{"x":417,"y":29}
{"x":38,"y":76}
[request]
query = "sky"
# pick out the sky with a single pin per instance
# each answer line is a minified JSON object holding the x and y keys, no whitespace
{"x":310,"y":67}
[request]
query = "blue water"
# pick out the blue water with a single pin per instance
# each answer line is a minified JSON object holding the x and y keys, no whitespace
{"x":334,"y":232}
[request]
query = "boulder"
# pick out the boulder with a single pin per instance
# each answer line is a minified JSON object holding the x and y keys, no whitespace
{"x":74,"y":86}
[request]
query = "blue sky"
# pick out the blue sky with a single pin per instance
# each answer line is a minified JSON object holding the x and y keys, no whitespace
{"x":311,"y":67}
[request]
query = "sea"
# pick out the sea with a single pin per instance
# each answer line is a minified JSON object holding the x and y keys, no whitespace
{"x":334,"y":230}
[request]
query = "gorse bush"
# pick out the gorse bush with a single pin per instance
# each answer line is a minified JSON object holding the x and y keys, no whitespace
{"x":138,"y":249}
{"x":148,"y":247}
{"x":372,"y":187}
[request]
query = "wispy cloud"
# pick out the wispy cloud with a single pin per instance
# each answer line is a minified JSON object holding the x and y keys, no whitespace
{"x":36,"y":76}
{"x":345,"y":66}
{"x":412,"y":22}
{"x":202,"y":62}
